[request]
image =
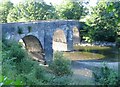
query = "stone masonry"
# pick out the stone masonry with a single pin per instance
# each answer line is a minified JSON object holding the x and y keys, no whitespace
{"x":43,"y":31}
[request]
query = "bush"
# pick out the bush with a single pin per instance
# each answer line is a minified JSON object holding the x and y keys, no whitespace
{"x":18,"y":68}
{"x":57,"y":80}
{"x":17,"y":53}
{"x":29,"y":29}
{"x":118,"y":42}
{"x":60,"y":66}
{"x":9,"y":71}
{"x":7,"y":81}
{"x":20,"y":31}
{"x":106,"y":77}
{"x":102,"y":35}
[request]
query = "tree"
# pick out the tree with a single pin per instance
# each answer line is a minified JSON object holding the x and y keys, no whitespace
{"x":14,"y":15}
{"x":31,"y":11}
{"x":103,"y":24}
{"x":70,"y":9}
{"x":113,"y":8}
{"x":5,"y":6}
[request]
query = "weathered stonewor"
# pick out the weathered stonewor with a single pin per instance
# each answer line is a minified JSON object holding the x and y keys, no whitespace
{"x":41,"y":30}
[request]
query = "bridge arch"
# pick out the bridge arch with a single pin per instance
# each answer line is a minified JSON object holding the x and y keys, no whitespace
{"x":59,"y":41}
{"x":34,"y":47}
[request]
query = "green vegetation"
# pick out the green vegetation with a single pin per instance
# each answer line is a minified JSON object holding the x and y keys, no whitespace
{"x":29,"y":29}
{"x":118,"y":42}
{"x":103,"y":22}
{"x":31,"y":10}
{"x":20,"y":31}
{"x":60,"y":65}
{"x":18,"y":68}
{"x":5,"y":7}
{"x":70,"y":9}
{"x":106,"y":77}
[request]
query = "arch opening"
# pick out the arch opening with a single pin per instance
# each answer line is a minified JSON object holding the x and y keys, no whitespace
{"x":34,"y":47}
{"x":59,"y":41}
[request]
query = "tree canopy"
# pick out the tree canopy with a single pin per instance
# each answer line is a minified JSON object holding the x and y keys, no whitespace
{"x":103,"y":22}
{"x":31,"y":11}
{"x":71,"y":9}
{"x":5,"y":6}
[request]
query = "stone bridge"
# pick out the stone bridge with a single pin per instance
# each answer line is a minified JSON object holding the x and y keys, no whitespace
{"x":40,"y":33}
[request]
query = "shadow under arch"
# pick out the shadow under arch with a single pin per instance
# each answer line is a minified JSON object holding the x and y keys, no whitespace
{"x":59,"y":42}
{"x":34,"y":48}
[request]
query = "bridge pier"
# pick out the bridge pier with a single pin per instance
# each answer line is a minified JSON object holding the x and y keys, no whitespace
{"x":48,"y":56}
{"x":70,"y":40}
{"x":48,"y":48}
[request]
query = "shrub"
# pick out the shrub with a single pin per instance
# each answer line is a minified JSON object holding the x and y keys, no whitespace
{"x":17,"y":53}
{"x":57,"y":80}
{"x":118,"y":42}
{"x":18,"y":68}
{"x":29,"y":29}
{"x":20,"y":31}
{"x":8,"y":81}
{"x":106,"y":77}
{"x":60,"y":66}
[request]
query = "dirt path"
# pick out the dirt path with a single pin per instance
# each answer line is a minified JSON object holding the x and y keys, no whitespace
{"x":83,"y":71}
{"x":112,"y":65}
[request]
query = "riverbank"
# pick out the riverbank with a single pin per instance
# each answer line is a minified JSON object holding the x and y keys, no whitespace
{"x":85,"y":70}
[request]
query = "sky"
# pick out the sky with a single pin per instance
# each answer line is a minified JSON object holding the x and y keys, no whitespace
{"x":91,"y":2}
